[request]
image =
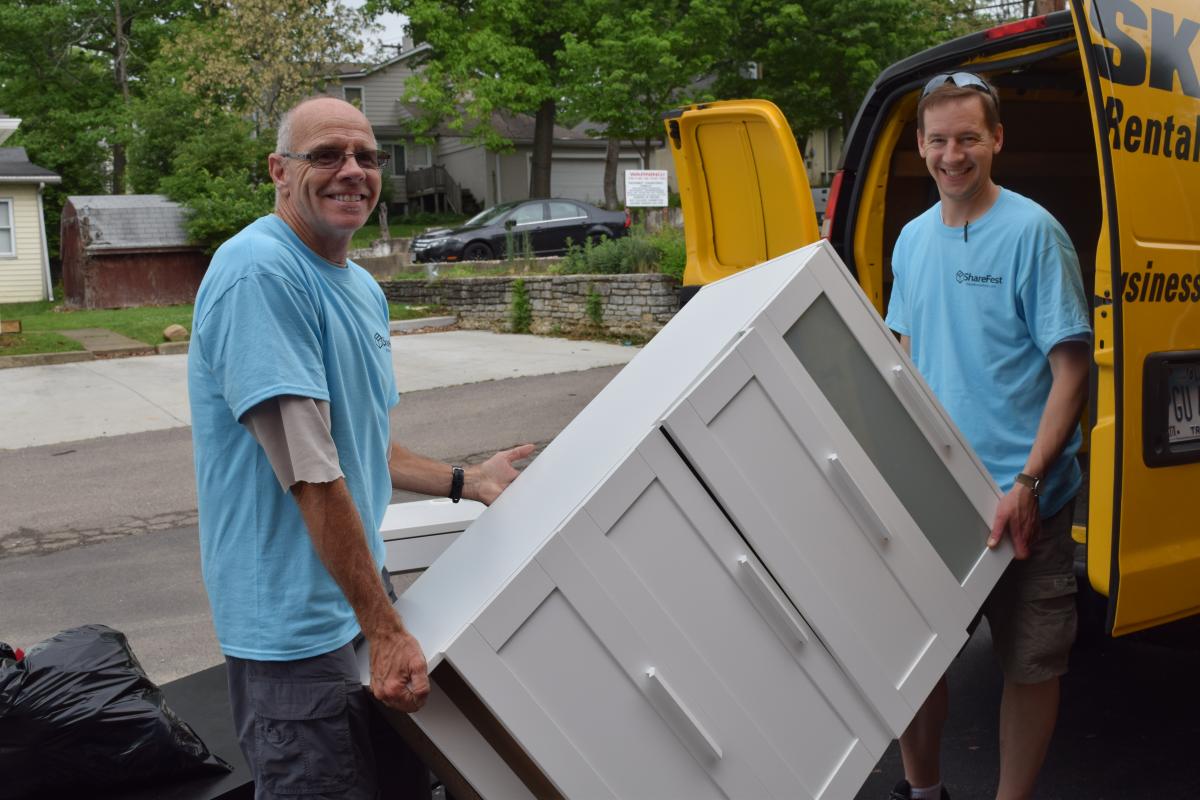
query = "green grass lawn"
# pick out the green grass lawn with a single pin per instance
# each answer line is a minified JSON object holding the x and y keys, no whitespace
{"x":143,"y":324}
{"x":40,"y":322}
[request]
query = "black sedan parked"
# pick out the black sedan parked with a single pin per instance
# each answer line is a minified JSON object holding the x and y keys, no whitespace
{"x":547,"y":225}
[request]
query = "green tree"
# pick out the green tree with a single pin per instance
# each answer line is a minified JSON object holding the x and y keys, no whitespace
{"x":637,"y":62}
{"x":70,"y":69}
{"x":258,"y":57}
{"x":816,"y":59}
{"x":488,"y":57}
{"x":221,"y":176}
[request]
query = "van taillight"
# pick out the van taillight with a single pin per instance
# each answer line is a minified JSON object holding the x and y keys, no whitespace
{"x":835,"y":188}
{"x":628,"y":219}
{"x":1013,"y":28}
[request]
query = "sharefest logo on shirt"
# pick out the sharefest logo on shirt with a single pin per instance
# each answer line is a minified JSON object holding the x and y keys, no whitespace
{"x":971,"y":279}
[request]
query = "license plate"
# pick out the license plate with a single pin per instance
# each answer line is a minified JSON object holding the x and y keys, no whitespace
{"x":1183,"y":404}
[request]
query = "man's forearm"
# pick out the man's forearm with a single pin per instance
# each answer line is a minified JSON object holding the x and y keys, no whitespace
{"x":483,"y":482}
{"x":1070,"y":365}
{"x":416,"y":473}
{"x":341,"y":544}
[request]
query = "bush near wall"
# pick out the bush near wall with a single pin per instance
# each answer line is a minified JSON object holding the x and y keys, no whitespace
{"x":628,"y":304}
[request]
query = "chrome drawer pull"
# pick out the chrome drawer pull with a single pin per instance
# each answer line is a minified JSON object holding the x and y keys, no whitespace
{"x":852,"y":495}
{"x":767,"y":587}
{"x":934,"y":426}
{"x":713,"y":747}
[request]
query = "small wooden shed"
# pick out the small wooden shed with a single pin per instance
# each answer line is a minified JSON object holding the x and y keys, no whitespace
{"x":128,"y":250}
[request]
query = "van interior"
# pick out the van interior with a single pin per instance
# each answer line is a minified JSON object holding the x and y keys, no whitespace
{"x":1049,"y":155}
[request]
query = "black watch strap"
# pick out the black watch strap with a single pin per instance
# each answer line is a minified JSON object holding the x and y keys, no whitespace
{"x":456,"y":483}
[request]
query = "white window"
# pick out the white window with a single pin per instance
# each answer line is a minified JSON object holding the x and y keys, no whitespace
{"x":8,"y":238}
{"x":419,"y":155}
{"x":353,"y":95}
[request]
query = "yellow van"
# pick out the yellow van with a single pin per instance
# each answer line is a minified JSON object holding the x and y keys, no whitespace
{"x":1101,"y":110}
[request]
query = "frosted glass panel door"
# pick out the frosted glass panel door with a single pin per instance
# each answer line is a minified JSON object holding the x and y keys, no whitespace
{"x":863,"y":375}
{"x":891,"y":438}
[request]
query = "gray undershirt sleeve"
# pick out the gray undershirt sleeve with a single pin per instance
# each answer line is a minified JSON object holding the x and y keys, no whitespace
{"x":295,"y":433}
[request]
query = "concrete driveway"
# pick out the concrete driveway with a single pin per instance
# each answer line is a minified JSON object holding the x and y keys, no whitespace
{"x":68,"y":402}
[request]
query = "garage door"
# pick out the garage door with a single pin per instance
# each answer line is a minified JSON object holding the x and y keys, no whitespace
{"x":583,"y":178}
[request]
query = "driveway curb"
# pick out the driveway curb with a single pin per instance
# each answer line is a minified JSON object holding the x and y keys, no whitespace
{"x":42,"y":359}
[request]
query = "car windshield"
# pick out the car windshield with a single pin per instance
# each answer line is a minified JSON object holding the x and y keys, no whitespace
{"x":490,"y":214}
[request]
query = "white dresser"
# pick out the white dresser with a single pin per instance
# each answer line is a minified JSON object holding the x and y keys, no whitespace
{"x":737,"y":573}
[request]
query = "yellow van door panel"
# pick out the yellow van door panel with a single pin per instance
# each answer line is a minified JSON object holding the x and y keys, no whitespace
{"x":742,"y":185}
{"x":1144,"y":523}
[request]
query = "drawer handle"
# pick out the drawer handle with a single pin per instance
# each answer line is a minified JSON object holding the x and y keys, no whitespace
{"x":853,"y":495}
{"x":767,"y":587}
{"x":934,"y":426}
{"x":713,"y":747}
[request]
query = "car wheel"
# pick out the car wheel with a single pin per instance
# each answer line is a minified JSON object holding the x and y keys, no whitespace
{"x":477,"y":251}
{"x":596,"y":238}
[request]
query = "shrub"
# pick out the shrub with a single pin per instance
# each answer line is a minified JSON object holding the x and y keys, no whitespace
{"x":663,"y":251}
{"x":521,"y":312}
{"x":594,"y":306}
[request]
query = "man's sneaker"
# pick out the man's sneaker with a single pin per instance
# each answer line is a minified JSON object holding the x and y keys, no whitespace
{"x":903,"y":791}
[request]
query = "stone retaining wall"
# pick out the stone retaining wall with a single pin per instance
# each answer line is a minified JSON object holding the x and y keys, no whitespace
{"x":629,"y":304}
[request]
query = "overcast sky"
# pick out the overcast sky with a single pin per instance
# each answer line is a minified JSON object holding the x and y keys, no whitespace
{"x":393,"y":26}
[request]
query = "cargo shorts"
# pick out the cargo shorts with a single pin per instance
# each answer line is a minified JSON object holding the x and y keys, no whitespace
{"x":1031,"y":611}
{"x":304,"y":726}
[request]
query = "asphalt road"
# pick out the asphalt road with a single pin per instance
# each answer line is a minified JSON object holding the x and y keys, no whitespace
{"x":103,"y":530}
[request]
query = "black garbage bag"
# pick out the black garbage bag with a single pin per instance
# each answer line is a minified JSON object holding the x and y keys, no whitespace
{"x":80,"y":711}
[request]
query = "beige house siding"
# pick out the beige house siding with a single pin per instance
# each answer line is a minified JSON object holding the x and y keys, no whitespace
{"x":514,"y":174}
{"x":468,"y":164}
{"x":22,"y":275}
{"x":382,"y":91}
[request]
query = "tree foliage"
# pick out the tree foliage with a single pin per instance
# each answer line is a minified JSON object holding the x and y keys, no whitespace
{"x":637,"y":62}
{"x":258,"y":57}
{"x":70,"y":70}
{"x":816,"y":59}
{"x":489,"y":57}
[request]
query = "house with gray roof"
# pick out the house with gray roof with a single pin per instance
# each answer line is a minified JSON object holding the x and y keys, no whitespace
{"x":24,"y":256}
{"x":455,"y":174}
{"x":128,"y":250}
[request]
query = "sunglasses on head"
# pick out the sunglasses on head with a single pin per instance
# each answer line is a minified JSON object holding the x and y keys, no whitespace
{"x":966,"y":80}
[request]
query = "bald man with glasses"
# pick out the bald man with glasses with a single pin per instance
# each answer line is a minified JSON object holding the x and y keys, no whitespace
{"x":291,"y":386}
{"x":988,"y":300}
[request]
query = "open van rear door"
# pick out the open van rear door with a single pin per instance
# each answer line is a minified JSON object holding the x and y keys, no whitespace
{"x":1143,"y":60}
{"x":742,"y":185}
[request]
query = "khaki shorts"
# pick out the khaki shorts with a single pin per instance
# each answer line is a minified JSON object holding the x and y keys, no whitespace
{"x":1031,"y":612}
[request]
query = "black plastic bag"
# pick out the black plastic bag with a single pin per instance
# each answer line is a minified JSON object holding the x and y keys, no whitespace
{"x":80,"y":711}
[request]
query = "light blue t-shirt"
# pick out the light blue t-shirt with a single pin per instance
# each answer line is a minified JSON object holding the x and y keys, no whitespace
{"x":984,"y":309}
{"x":273,"y":318}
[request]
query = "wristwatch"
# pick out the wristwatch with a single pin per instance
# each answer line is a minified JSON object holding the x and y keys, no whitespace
{"x":456,"y":483}
{"x":1034,"y":484}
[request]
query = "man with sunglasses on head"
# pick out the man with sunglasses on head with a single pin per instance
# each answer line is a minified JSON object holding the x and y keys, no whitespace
{"x":988,"y":300}
{"x":291,"y":386}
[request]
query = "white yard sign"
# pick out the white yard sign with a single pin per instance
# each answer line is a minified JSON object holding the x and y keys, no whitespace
{"x":646,"y":188}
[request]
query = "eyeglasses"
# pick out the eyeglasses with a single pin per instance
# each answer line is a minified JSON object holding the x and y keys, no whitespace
{"x":966,"y":80}
{"x":332,"y":158}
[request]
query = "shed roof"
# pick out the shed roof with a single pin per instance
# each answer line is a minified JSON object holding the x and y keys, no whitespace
{"x":131,"y":222}
{"x":15,"y":167}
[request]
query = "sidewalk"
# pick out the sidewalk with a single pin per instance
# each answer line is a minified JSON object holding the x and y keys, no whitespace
{"x":49,"y":404}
